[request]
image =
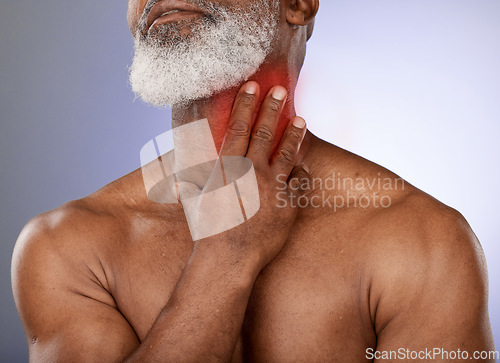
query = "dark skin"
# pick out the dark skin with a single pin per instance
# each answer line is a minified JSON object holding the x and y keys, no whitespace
{"x":117,"y":277}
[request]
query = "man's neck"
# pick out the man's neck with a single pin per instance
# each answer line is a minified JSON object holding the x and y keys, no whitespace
{"x":217,"y":108}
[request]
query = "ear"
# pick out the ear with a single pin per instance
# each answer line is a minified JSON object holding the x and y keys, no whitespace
{"x":301,"y":12}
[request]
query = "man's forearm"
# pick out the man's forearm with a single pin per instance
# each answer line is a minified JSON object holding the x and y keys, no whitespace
{"x":204,"y":315}
{"x":202,"y":319}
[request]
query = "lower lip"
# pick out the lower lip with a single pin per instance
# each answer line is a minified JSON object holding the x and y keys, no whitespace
{"x":181,"y":15}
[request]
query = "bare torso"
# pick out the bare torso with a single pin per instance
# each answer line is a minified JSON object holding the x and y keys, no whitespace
{"x":349,"y":279}
{"x":311,"y":303}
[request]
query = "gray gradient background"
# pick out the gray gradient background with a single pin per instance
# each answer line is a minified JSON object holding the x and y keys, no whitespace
{"x":412,"y":85}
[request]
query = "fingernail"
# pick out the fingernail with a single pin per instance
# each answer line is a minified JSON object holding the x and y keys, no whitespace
{"x":251,"y":88}
{"x":299,"y":122}
{"x":279,"y":93}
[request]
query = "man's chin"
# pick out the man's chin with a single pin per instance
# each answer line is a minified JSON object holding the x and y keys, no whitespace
{"x":197,"y":57}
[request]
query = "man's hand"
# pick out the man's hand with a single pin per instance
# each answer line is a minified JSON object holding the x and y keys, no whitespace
{"x":204,"y":315}
{"x":261,"y":237}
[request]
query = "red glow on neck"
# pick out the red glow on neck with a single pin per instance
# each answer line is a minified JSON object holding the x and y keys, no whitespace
{"x":221,"y":105}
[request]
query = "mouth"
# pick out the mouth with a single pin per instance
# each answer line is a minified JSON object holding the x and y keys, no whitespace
{"x":171,"y":10}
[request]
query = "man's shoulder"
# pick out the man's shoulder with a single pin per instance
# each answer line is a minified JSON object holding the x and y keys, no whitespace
{"x":418,"y":222}
{"x":425,"y":261}
{"x":60,"y":250}
{"x":66,"y":233}
{"x":71,"y":216}
{"x":385,"y":202}
{"x":411,"y":221}
{"x":416,"y":226}
{"x":416,"y":252}
{"x":98,"y":222}
{"x":75,"y":228}
{"x":401,"y":227}
{"x":60,"y":272}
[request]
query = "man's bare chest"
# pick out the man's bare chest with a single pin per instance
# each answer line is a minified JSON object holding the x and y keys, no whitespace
{"x":308,"y":303}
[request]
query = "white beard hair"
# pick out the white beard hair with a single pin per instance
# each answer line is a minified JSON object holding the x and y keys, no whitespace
{"x":213,"y":58}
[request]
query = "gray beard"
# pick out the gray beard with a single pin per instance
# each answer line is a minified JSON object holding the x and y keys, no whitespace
{"x":221,"y":51}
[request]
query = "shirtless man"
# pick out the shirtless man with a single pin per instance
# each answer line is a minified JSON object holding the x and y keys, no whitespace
{"x":117,"y":277}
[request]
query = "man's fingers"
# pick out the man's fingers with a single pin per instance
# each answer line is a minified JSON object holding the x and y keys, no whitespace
{"x":240,"y":122}
{"x":285,"y":157}
{"x":265,"y":127}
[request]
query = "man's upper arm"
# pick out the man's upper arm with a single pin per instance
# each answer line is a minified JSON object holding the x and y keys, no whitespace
{"x":67,"y":314}
{"x":433,"y":289}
